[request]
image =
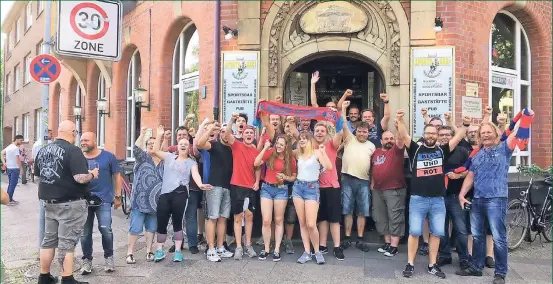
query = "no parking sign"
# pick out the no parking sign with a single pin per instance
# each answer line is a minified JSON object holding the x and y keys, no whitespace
{"x":45,"y":68}
{"x":90,"y":29}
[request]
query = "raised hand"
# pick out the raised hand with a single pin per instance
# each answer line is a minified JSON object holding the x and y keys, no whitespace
{"x":267,"y":144}
{"x":278,"y":98}
{"x":384,"y":97}
{"x":315,"y":77}
{"x":501,"y":118}
{"x":234,"y":116}
{"x":400,"y":113}
{"x":143,"y":130}
{"x":467,"y":120}
{"x":488,"y":110}
{"x":160,"y":130}
{"x":290,"y":118}
{"x":190,"y":116}
{"x":424,"y":111}
{"x":348,"y":93}
{"x":167,"y":134}
{"x":447,"y":116}
{"x":346,"y":104}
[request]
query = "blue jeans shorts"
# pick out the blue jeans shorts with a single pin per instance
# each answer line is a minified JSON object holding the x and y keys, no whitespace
{"x":140,"y":220}
{"x":306,"y":190}
{"x":269,"y":191}
{"x":355,"y":195}
{"x":432,"y":207}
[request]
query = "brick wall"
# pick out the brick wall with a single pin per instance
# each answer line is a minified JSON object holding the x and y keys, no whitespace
{"x":467,"y":26}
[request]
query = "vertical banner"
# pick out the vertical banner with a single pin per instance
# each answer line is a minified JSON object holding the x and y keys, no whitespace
{"x":298,"y":88}
{"x":432,"y":84}
{"x":240,"y":83}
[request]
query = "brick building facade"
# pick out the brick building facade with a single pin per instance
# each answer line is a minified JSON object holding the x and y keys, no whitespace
{"x":151,"y":55}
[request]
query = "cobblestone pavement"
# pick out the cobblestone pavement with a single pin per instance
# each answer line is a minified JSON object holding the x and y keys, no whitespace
{"x":529,"y":264}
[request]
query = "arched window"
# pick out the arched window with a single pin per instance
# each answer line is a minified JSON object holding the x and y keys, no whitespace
{"x":100,"y":119}
{"x":133,"y":113}
{"x":185,"y":76}
{"x":510,"y":73}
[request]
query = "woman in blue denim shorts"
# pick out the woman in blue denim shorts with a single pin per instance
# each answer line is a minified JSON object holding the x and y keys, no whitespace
{"x":306,"y":193}
{"x":281,"y":168}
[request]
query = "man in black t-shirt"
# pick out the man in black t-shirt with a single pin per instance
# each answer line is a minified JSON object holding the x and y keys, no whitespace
{"x":217,"y":200}
{"x":454,"y":212}
{"x":427,"y":189}
{"x":63,"y":187}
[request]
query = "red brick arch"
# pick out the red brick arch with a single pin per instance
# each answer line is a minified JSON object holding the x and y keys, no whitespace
{"x":89,"y":106}
{"x":53,"y":121}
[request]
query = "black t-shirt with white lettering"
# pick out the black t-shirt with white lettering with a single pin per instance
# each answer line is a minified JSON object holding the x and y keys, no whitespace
{"x":427,"y":169}
{"x":56,"y":164}
{"x":220,"y":170}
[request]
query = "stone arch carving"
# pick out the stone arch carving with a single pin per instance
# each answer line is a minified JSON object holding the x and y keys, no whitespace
{"x":385,"y":36}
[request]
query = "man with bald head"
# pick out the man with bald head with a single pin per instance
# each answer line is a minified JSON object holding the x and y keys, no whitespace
{"x":106,"y":189}
{"x":63,"y":188}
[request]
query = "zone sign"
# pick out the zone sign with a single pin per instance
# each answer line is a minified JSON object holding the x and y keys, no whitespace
{"x":90,"y":29}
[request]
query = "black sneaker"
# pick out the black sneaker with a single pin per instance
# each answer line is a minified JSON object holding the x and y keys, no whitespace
{"x":227,"y":247}
{"x":71,"y":280}
{"x":490,"y":262}
{"x":408,"y":271}
{"x":361,"y":245}
{"x":435,"y":270}
{"x":468,"y":272}
{"x":444,"y":261}
{"x":263,"y":255}
{"x":346,"y":243}
{"x":499,"y":279}
{"x":464,"y":264}
{"x":276,"y":256}
{"x":323,"y":250}
{"x":194,"y":250}
{"x":392,"y":251}
{"x":47,"y":279}
{"x":339,"y":253}
{"x":384,"y":248}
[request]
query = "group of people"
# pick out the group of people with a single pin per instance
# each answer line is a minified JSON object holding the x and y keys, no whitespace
{"x":317,"y":173}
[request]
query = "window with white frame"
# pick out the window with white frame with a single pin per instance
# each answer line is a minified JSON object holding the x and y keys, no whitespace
{"x":40,"y":48}
{"x":16,"y":126}
{"x":100,"y":119}
{"x":17,"y":78}
{"x":26,"y":71}
{"x":185,"y":74}
{"x":38,"y":123}
{"x":26,"y":125}
{"x":28,"y":15}
{"x":9,"y":88}
{"x":17,"y":30}
{"x":133,"y":113}
{"x":510,"y":74}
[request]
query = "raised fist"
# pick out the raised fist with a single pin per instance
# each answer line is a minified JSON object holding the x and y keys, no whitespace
{"x":348,"y":93}
{"x":400,"y":113}
{"x":345,"y":104}
{"x":167,"y":134}
{"x":278,"y":98}
{"x":190,"y":116}
{"x":384,"y":96}
{"x":234,"y":116}
{"x":143,"y":130}
{"x":424,"y":111}
{"x":467,"y":120}
{"x":267,"y":144}
{"x":488,"y":110}
{"x":447,"y":115}
{"x":501,"y":118}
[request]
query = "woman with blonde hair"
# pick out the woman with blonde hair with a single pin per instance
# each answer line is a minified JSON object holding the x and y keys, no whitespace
{"x":281,"y":168}
{"x":306,"y":193}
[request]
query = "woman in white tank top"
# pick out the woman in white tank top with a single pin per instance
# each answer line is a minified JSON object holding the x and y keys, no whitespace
{"x":306,"y":193}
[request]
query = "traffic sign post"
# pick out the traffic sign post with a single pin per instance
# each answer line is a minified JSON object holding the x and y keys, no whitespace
{"x":45,"y":68}
{"x":91,"y":29}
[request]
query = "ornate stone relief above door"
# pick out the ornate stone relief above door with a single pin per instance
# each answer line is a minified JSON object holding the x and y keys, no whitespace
{"x":299,"y":22}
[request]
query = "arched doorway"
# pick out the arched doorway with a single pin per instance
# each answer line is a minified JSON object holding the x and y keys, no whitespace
{"x":338,"y":72}
{"x":373,"y":36}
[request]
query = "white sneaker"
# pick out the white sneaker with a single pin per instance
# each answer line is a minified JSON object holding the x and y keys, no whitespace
{"x":222,"y":252}
{"x":86,"y":267}
{"x":213,"y":256}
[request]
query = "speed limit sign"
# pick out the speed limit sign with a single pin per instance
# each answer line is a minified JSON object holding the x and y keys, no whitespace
{"x":90,"y":29}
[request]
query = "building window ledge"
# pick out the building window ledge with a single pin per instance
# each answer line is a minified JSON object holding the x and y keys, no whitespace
{"x":26,"y":83}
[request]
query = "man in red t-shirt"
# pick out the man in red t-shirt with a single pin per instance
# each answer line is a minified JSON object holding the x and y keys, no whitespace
{"x":243,"y":184}
{"x":388,"y":191}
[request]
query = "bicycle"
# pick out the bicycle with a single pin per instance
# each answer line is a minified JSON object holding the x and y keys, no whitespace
{"x":127,"y":188}
{"x":522,"y":214}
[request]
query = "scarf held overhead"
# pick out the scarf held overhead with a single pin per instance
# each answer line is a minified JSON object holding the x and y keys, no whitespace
{"x":305,"y":112}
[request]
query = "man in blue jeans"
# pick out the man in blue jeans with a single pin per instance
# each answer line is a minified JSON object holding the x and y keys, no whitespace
{"x":488,"y":173}
{"x":106,"y":188}
{"x":427,"y":190}
{"x":454,"y":212}
{"x":11,"y":161}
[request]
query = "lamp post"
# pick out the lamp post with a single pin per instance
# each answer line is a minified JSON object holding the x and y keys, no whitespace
{"x":101,"y":105}
{"x":139,"y":99}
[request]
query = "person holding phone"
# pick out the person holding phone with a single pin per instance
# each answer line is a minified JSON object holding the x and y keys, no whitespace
{"x":106,"y":192}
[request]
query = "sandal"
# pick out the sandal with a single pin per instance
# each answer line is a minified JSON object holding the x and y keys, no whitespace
{"x":150,"y":256}
{"x":130,"y":259}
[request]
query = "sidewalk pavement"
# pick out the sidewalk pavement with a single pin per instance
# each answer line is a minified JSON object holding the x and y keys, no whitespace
{"x":529,"y":264}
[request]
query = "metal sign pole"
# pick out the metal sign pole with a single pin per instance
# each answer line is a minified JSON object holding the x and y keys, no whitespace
{"x":46,"y":87}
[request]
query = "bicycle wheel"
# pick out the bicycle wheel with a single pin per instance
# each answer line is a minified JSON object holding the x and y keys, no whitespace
{"x":547,"y":230}
{"x":518,"y":220}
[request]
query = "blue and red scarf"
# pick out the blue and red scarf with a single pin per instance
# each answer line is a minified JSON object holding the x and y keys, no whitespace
{"x":305,"y":112}
{"x":521,"y":139}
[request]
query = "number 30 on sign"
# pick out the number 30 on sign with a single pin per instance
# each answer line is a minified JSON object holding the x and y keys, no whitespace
{"x":91,"y":29}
